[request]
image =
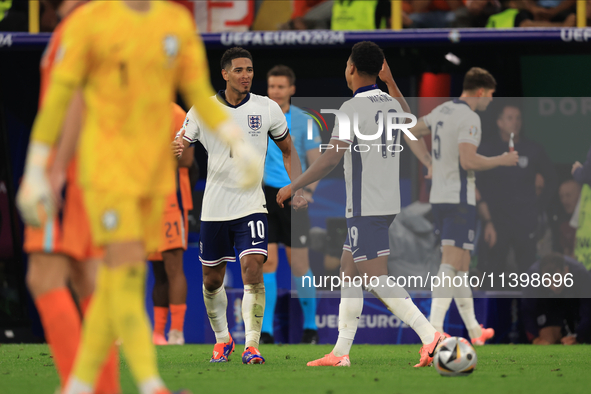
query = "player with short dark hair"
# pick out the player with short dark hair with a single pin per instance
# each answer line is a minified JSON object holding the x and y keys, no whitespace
{"x":231,"y":217}
{"x":368,"y":58}
{"x":456,"y":131}
{"x":478,"y":78}
{"x":287,"y":226}
{"x":234,"y":53}
{"x":372,"y":205}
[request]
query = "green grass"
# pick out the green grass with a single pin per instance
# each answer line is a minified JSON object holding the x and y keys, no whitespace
{"x":376,"y":369}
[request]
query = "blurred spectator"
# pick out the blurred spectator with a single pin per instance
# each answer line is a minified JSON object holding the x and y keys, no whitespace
{"x":360,"y":14}
{"x":4,"y":7}
{"x":310,"y":14}
{"x":14,"y":15}
{"x":560,"y":314}
{"x":431,"y":13}
{"x":551,"y":10}
{"x":301,"y":7}
{"x":476,"y":13}
{"x":582,"y":174}
{"x":569,"y":193}
{"x":509,"y":205}
{"x":518,"y":13}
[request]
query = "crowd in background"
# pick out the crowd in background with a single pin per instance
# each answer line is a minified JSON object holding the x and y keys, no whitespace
{"x":212,"y":16}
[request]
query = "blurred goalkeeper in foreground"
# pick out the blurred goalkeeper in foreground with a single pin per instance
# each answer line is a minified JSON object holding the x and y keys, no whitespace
{"x":62,"y":249}
{"x":126,"y":167}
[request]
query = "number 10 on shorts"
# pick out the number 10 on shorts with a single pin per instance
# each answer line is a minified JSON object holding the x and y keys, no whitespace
{"x":258,"y":229}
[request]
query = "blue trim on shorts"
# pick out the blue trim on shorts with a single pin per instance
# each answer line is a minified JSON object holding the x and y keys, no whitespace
{"x":373,"y":239}
{"x":220,"y":241}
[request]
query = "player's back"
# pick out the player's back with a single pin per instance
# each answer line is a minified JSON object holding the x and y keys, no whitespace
{"x":452,"y":123}
{"x":372,"y":167}
{"x":129,"y":78}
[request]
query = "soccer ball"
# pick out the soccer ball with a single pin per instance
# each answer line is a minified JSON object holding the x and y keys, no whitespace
{"x":455,"y":356}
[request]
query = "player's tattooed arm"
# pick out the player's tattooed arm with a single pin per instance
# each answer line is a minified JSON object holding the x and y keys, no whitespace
{"x":292,"y":164}
{"x":471,"y":160}
{"x":311,"y":155}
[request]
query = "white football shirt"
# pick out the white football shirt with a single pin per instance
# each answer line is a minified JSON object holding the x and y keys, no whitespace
{"x":371,"y":167}
{"x":258,"y":117}
{"x":451,"y":124}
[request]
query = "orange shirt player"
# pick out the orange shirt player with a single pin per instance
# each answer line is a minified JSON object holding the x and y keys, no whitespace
{"x":129,"y":58}
{"x":62,"y":249}
{"x":170,"y":286}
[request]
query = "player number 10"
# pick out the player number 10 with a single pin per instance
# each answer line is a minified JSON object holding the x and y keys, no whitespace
{"x":260,"y":229}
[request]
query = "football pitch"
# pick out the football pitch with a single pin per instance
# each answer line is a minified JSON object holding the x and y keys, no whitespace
{"x":375,"y":369}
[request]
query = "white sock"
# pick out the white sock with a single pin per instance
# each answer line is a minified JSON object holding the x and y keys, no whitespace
{"x":398,"y":301}
{"x":442,"y":295}
{"x":151,"y":386}
{"x":465,"y":304}
{"x":253,"y":309}
{"x":350,"y":310}
{"x":216,"y":304}
{"x":76,"y":386}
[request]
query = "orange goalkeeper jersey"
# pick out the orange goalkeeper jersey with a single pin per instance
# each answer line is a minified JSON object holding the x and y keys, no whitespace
{"x":129,"y":65}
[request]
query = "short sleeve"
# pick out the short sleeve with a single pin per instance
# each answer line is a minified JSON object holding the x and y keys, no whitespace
{"x":470,"y":130}
{"x":191,"y":127}
{"x":278,"y":130}
{"x":335,"y":130}
{"x":72,"y":58}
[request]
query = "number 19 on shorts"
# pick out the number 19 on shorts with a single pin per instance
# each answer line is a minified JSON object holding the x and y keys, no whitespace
{"x":353,"y":236}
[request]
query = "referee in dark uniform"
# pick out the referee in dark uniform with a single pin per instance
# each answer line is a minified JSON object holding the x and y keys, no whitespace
{"x":509,"y":206}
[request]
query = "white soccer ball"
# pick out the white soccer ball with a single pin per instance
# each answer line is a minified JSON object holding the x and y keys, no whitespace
{"x":455,"y":356}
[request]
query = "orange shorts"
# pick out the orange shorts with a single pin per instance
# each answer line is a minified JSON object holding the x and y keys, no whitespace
{"x":175,"y":228}
{"x":68,"y":233}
